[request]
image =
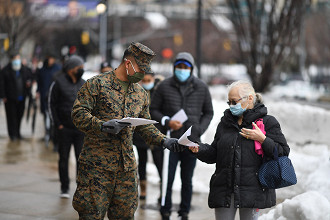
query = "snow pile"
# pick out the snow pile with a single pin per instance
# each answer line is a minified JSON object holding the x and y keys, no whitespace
{"x":312,"y":165}
{"x":306,"y":206}
{"x":301,"y":123}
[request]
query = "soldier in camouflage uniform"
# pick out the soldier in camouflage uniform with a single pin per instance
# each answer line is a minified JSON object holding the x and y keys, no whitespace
{"x":107,"y":175}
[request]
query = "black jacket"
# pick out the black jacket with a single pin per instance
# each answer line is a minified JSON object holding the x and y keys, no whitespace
{"x":193,"y":96}
{"x":8,"y":83}
{"x":62,"y":94}
{"x":237,"y":164}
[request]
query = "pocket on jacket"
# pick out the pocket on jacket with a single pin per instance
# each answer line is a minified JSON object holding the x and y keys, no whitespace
{"x":219,"y":179}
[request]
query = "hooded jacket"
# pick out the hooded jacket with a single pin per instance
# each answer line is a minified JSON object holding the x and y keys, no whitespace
{"x":62,"y":94}
{"x":237,"y":163}
{"x":192,"y":96}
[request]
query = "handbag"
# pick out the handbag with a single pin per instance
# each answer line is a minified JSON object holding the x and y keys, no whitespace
{"x":277,"y":173}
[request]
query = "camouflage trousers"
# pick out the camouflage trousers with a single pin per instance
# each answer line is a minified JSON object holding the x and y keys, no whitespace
{"x":100,"y":191}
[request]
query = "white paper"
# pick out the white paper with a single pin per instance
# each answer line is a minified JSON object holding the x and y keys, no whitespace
{"x":180,"y":116}
{"x":183,"y":140}
{"x":138,"y":121}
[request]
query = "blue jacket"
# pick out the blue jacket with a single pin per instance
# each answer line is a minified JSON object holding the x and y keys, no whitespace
{"x":45,"y":77}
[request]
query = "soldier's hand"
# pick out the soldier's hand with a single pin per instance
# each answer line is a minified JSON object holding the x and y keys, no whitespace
{"x":114,"y":126}
{"x":173,"y":145}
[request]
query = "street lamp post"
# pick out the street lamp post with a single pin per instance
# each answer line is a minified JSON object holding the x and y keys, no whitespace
{"x":199,"y":38}
{"x":102,"y":9}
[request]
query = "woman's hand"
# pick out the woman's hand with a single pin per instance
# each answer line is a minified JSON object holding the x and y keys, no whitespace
{"x":194,"y":149}
{"x":253,"y":134}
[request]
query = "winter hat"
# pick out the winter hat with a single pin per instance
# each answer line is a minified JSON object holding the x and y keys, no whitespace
{"x":186,"y":58}
{"x":73,"y":62}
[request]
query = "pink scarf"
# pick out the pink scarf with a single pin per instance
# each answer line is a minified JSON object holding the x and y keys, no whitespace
{"x":259,"y":122}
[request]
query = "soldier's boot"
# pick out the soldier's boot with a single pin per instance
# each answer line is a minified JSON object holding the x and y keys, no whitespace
{"x":143,"y":187}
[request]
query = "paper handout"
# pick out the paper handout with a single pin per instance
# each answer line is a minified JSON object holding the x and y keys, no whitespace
{"x":138,"y":121}
{"x":180,"y":116}
{"x":183,"y":140}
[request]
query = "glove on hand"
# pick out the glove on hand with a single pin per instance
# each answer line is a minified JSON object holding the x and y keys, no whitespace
{"x":114,"y":126}
{"x":173,"y":145}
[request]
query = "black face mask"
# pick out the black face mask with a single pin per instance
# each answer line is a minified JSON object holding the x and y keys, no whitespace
{"x":79,"y":73}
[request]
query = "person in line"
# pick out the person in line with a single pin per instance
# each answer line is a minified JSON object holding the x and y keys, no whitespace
{"x":105,"y":67}
{"x":235,"y":184}
{"x":107,"y":176}
{"x":62,"y":93}
{"x":182,"y":91}
{"x":45,"y":77}
{"x":15,"y":85}
{"x":148,"y":83}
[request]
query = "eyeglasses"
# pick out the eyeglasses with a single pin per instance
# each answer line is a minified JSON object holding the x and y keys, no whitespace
{"x":233,"y":102}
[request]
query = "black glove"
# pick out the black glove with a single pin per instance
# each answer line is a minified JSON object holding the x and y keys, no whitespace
{"x":173,"y":145}
{"x":114,"y":126}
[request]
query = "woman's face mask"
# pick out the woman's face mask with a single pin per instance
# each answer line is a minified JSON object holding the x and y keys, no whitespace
{"x":16,"y":64}
{"x":237,"y":109}
{"x":182,"y":74}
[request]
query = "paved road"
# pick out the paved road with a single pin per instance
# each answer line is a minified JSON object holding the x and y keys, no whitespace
{"x":29,"y":186}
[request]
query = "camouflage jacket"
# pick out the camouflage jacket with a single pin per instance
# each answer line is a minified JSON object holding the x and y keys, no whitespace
{"x":100,"y":99}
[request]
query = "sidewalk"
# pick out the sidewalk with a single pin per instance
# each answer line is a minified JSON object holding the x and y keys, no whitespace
{"x":29,"y":186}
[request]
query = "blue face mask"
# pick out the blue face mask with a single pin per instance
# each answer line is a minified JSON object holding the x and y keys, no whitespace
{"x":237,"y":109}
{"x":148,"y":86}
{"x":16,"y":64}
{"x":182,"y":74}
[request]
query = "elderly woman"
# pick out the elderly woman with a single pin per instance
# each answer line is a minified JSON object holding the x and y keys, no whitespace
{"x":235,"y":184}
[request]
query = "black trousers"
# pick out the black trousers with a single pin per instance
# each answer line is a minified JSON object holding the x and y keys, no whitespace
{"x":14,"y":115}
{"x":157,"y":154}
{"x":67,"y":137}
{"x":187,"y":165}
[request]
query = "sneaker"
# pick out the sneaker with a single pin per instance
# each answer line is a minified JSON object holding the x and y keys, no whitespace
{"x":65,"y":195}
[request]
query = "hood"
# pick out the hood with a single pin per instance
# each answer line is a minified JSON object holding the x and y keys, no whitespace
{"x":185,"y":56}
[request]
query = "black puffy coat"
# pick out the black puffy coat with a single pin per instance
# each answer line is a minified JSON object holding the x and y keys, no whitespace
{"x":8,"y":82}
{"x":192,"y":96}
{"x":237,"y":163}
{"x":62,"y":95}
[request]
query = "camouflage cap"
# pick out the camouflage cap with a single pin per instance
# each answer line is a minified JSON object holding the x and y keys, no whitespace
{"x":143,"y":56}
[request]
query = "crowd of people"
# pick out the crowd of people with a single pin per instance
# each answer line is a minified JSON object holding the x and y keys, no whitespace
{"x":87,"y":115}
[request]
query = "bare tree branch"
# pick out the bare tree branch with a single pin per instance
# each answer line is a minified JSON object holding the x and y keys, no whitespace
{"x":18,"y":24}
{"x":266,"y":30}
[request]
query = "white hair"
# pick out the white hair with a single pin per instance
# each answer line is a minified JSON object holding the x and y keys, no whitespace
{"x":245,"y":89}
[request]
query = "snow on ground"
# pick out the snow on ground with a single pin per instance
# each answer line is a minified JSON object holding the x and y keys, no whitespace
{"x":307,"y":131}
{"x":306,"y":206}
